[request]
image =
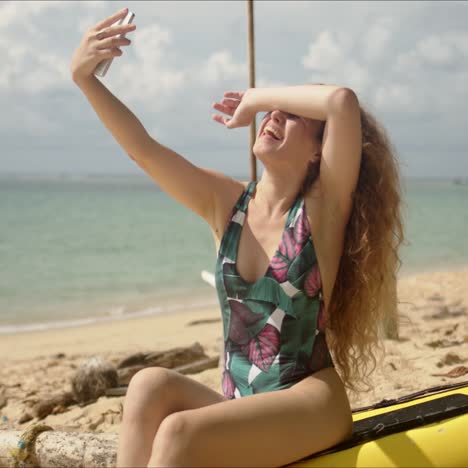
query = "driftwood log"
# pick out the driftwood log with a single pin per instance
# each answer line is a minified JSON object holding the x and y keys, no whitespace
{"x":93,"y":378}
{"x":198,"y":366}
{"x":58,"y":449}
{"x":3,"y":399}
{"x":53,"y":405}
{"x":192,"y":368}
{"x":170,"y":359}
{"x":97,"y":377}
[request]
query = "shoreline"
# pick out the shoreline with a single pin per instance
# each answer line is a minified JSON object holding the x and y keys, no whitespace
{"x":150,"y":306}
{"x":453,"y":268}
{"x":171,"y":305}
{"x":150,"y":311}
{"x":185,"y":310}
{"x":136,"y":333}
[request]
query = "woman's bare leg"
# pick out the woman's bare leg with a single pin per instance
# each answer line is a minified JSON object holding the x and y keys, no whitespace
{"x":153,"y":394}
{"x":265,"y":429}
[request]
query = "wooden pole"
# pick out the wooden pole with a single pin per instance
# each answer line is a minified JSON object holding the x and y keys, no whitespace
{"x":253,"y":126}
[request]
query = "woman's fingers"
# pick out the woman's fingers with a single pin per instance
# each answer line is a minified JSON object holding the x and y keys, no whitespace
{"x":225,"y":109}
{"x":228,"y":123}
{"x":113,"y":42}
{"x":230,"y":103}
{"x":114,"y":30}
{"x":220,"y":119}
{"x":233,"y":94}
{"x":111,"y":19}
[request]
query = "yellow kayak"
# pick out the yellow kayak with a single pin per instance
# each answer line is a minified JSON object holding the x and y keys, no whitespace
{"x":425,"y":429}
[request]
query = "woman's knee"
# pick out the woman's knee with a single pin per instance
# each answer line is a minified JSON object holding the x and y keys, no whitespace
{"x":148,"y":388}
{"x":175,"y":426}
{"x":149,"y":377}
{"x":174,"y":440}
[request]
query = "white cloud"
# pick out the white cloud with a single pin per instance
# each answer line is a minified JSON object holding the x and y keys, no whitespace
{"x":377,"y":38}
{"x":14,"y":13}
{"x":393,"y":93}
{"x":31,"y":71}
{"x":434,"y":50}
{"x":50,"y":72}
{"x":38,"y":121}
{"x":266,"y":83}
{"x":325,"y":53}
{"x":411,"y":99}
{"x":143,"y":73}
{"x":11,"y":12}
{"x":442,"y":50}
{"x":32,"y":61}
{"x":355,"y":76}
{"x":22,"y":117}
{"x":220,"y":66}
{"x":331,"y":56}
{"x":407,"y":64}
{"x":149,"y":43}
{"x":459,"y":40}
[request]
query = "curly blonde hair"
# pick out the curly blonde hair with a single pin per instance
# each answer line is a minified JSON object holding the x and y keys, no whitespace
{"x":363,"y":305}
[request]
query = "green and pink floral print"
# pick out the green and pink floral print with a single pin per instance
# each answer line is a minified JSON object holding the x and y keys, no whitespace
{"x":274,"y":334}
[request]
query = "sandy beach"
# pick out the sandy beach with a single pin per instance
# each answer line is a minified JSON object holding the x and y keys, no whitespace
{"x":433,"y":340}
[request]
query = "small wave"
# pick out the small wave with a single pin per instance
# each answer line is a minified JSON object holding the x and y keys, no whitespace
{"x":117,"y":313}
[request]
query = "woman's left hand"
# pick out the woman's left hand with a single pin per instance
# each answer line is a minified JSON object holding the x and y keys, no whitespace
{"x":235,"y":104}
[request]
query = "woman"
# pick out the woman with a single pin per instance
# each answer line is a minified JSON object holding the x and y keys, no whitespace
{"x":306,"y":269}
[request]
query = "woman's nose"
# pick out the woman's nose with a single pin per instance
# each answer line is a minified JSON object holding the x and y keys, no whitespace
{"x":277,"y":115}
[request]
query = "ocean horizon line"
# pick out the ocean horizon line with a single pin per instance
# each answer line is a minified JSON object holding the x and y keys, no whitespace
{"x":143,"y":177}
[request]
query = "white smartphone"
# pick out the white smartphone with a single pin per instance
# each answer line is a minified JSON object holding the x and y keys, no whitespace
{"x":103,"y":66}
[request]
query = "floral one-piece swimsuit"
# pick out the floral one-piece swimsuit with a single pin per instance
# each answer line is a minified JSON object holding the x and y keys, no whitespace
{"x":274,"y":333}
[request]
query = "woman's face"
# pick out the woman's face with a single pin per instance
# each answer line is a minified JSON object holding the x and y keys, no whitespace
{"x":286,"y":137}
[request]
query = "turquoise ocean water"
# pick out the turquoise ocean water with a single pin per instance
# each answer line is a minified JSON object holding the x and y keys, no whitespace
{"x":75,"y":250}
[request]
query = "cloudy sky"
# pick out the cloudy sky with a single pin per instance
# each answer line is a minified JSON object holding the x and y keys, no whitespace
{"x":406,"y":61}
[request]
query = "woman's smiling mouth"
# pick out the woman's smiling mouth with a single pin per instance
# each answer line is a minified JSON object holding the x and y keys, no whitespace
{"x":271,"y":133}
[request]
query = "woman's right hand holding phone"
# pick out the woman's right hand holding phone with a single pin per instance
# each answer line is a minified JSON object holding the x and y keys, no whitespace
{"x":99,"y":43}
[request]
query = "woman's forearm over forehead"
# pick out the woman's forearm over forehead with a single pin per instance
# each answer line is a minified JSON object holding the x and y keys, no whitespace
{"x":312,"y":101}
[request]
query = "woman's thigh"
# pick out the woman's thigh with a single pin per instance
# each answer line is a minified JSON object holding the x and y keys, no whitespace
{"x":191,"y":394}
{"x":156,"y":386}
{"x":265,"y":429}
{"x":152,"y":395}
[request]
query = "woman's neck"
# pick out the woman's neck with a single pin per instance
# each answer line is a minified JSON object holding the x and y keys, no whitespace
{"x":274,"y":194}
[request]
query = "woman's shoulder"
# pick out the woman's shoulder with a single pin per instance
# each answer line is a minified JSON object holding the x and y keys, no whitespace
{"x":227,"y":194}
{"x":232,"y":194}
{"x":226,"y":186}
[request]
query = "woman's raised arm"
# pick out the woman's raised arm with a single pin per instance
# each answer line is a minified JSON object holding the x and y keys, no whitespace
{"x":194,"y":187}
{"x":190,"y":185}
